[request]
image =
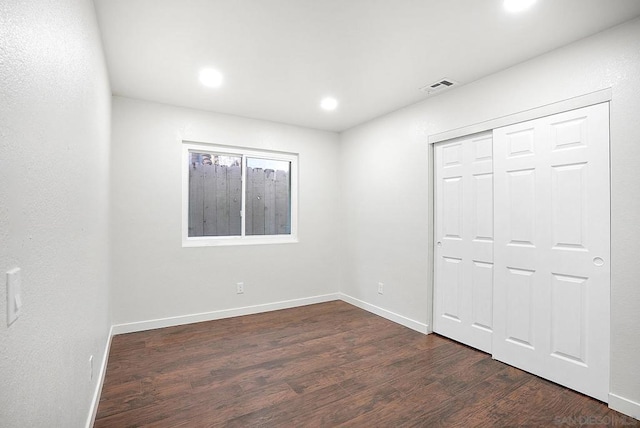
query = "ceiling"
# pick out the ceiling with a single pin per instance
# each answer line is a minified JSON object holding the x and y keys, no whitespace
{"x":280,"y":57}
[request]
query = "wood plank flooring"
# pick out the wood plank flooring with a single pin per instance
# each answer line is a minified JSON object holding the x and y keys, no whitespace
{"x":324,"y":365}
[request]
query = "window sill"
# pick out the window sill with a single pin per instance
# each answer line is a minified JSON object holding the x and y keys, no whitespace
{"x":207,"y":241}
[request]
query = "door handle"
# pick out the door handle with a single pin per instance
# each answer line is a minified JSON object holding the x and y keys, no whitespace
{"x":598,"y":261}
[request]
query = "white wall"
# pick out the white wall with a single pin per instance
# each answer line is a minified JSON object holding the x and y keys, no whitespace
{"x":54,"y":153}
{"x":385,"y":179}
{"x":153,"y":276}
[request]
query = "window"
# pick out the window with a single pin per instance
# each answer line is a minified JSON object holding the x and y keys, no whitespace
{"x":238,"y":196}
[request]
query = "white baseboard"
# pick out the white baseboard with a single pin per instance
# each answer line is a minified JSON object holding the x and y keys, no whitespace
{"x":93,"y":410}
{"x":225,"y":313}
{"x":391,"y":316}
{"x":624,"y":405}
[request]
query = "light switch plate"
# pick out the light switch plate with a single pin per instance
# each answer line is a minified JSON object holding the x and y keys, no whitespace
{"x":14,"y":296}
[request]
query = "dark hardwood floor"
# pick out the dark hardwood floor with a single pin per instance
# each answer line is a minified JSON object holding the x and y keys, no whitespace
{"x":325,"y":365}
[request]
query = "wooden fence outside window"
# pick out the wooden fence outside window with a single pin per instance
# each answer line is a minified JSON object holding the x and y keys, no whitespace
{"x":215,"y":201}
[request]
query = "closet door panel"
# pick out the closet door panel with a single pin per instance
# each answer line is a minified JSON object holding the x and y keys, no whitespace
{"x":464,"y":232}
{"x":551,"y":252}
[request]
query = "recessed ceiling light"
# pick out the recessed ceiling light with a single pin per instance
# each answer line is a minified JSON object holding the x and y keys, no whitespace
{"x":210,"y":77}
{"x":515,"y":6}
{"x":329,"y":103}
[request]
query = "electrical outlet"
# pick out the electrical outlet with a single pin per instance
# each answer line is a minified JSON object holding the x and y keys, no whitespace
{"x":380,"y":288}
{"x":240,"y":288}
{"x":91,"y":367}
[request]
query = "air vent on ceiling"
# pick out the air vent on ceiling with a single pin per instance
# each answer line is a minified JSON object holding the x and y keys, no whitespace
{"x":439,"y":86}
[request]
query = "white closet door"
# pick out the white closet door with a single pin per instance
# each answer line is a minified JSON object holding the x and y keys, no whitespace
{"x":551,"y":253}
{"x":464,"y":231}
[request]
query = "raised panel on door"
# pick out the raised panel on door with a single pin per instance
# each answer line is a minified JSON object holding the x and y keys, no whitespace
{"x":520,"y":308}
{"x":569,"y":318}
{"x":451,"y":277}
{"x":569,"y":206}
{"x":452,"y":207}
{"x":464,"y":229}
{"x":482,"y":215}
{"x":482,"y":296}
{"x":551,"y":252}
{"x":521,"y":206}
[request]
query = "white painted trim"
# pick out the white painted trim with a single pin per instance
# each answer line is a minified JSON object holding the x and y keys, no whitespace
{"x":431,"y":236}
{"x":244,"y":153}
{"x":391,"y":316}
{"x":597,"y":97}
{"x":224,"y":313}
{"x":93,"y":410}
{"x":209,"y":241}
{"x":624,"y":405}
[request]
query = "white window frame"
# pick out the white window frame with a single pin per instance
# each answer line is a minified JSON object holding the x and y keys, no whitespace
{"x":207,"y":241}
